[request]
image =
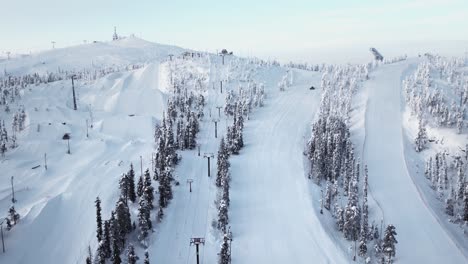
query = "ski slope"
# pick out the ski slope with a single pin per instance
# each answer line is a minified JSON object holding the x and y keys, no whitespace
{"x":57,"y":205}
{"x":274,"y":208}
{"x":421,"y":239}
{"x":272,"y":213}
{"x":190,"y":214}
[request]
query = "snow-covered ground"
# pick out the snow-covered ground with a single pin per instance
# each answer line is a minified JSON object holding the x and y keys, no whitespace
{"x":421,"y":237}
{"x":274,"y":207}
{"x":56,"y":205}
{"x":273,"y":217}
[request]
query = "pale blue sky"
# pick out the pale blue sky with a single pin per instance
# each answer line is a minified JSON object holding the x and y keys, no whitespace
{"x":257,"y":27}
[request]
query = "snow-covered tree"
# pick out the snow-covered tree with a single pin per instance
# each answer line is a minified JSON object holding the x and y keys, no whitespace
{"x":146,"y":261}
{"x":144,"y":217}
{"x":131,"y":184}
{"x":225,"y":254}
{"x":98,"y":219}
{"x":389,"y":241}
{"x":131,"y":256}
{"x":421,"y":139}
{"x":148,"y":189}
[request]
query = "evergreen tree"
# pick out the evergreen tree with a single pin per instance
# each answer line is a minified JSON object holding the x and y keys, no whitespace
{"x":144,"y":217}
{"x":116,"y":253}
{"x":140,"y":186}
{"x":131,"y":256}
{"x":449,"y":206}
{"x":123,"y":221}
{"x":98,"y":219}
{"x":146,"y":258}
{"x":352,"y":214}
{"x":222,"y":162}
{"x":340,"y":218}
{"x":148,"y":189}
{"x":222,"y":215}
{"x":328,"y":196}
{"x":465,"y":202}
{"x":89,"y":258}
{"x":100,"y":253}
{"x":365,"y":207}
{"x":362,"y":247}
{"x":225,"y":255}
{"x":131,"y":184}
{"x":165,"y":188}
{"x":14,"y":216}
{"x":389,"y":241}
{"x":107,"y":239}
{"x":421,"y":138}
{"x":460,"y":182}
{"x":124,"y":187}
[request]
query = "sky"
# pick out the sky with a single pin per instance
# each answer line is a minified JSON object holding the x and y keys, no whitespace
{"x":300,"y":30}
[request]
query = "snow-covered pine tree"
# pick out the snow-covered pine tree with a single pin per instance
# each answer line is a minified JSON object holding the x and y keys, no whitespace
{"x":124,"y":187}
{"x":148,"y":189}
{"x":165,"y":188}
{"x":465,"y":205}
{"x":98,"y":219}
{"x":362,"y":246}
{"x":352,"y":214}
{"x":340,"y":218}
{"x":89,"y":258}
{"x":222,"y":162}
{"x":106,"y":240}
{"x":100,"y":253}
{"x":144,"y":219}
{"x":365,"y":207}
{"x":131,"y":184}
{"x":123,"y":220}
{"x":131,"y":256}
{"x":14,"y":216}
{"x":460,"y":182}
{"x":388,"y":242}
{"x":140,"y":186}
{"x":146,"y":261}
{"x":116,"y":252}
{"x":328,"y":196}
{"x":225,"y":255}
{"x":421,"y":139}
{"x":449,"y":206}
{"x":222,"y":215}
{"x":171,"y":155}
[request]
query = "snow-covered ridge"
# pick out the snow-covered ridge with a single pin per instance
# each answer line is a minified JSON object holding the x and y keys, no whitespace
{"x":97,"y":55}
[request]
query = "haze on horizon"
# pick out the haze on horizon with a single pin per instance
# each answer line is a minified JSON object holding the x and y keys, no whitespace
{"x":299,"y":30}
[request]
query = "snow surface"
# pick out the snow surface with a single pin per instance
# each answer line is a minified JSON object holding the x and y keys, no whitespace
{"x":274,"y":207}
{"x":421,"y":239}
{"x":272,"y":212}
{"x":56,"y":206}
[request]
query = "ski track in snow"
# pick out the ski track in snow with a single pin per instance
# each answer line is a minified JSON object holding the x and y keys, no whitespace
{"x":271,"y":211}
{"x":421,"y":239}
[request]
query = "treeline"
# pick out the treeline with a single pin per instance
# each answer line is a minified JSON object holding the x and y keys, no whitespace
{"x":18,"y":125}
{"x":112,"y":234}
{"x":447,"y":179}
{"x":334,"y":167}
{"x":305,"y":66}
{"x":183,"y":113}
{"x":22,"y":81}
{"x":437,"y":93}
{"x":231,"y":146}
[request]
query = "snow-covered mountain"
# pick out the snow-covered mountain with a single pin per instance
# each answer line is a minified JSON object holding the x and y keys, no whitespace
{"x":131,"y":93}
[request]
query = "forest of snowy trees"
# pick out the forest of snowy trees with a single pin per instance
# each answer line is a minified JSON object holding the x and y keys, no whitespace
{"x":177,"y":131}
{"x":437,"y":96}
{"x":335,"y":167}
{"x":437,"y":93}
